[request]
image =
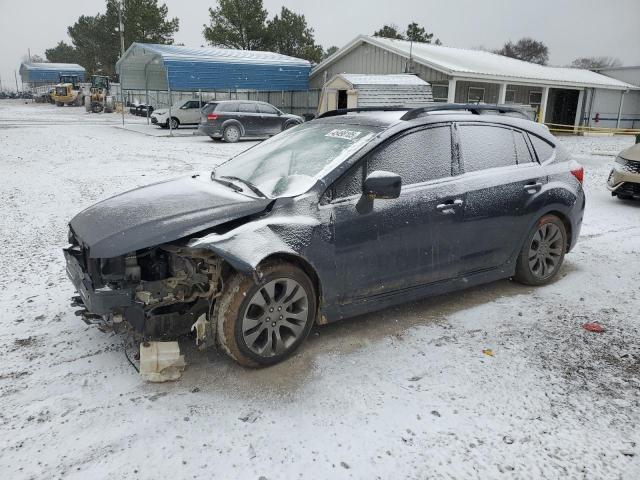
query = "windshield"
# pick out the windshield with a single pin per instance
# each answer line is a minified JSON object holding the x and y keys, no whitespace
{"x":291,"y":162}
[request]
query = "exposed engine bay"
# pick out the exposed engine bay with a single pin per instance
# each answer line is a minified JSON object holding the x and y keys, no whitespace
{"x":156,"y":293}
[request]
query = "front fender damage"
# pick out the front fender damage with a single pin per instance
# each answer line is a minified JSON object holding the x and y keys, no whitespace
{"x":247,"y":245}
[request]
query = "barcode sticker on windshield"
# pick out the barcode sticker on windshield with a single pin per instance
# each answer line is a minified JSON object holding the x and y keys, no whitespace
{"x":345,"y":134}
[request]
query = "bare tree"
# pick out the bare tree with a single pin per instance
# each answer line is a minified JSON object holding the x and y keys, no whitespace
{"x":526,"y":49}
{"x":593,"y":63}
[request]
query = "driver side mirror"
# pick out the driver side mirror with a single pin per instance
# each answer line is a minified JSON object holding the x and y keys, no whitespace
{"x":382,"y":185}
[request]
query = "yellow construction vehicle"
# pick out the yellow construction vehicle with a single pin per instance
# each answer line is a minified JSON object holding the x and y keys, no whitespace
{"x":99,"y":99}
{"x":68,"y":91}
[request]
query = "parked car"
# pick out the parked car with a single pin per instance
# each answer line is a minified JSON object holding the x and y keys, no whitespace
{"x":232,"y":120}
{"x":624,"y":179}
{"x":141,"y":110}
{"x":340,"y":216}
{"x":186,"y":112}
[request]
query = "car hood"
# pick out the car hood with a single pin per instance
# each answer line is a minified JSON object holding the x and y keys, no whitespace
{"x":159,"y":112}
{"x":632,"y":153}
{"x":159,"y":213}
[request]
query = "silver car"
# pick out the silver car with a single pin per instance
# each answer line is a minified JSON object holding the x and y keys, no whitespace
{"x":624,"y":179}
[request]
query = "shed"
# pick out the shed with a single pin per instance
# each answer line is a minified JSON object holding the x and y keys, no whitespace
{"x":36,"y":74}
{"x":177,"y":68}
{"x":350,"y":90}
{"x":567,"y":96}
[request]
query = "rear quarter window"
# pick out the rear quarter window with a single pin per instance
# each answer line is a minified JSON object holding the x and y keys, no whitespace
{"x":523,"y":154}
{"x":227,"y":107}
{"x":543,"y":149}
{"x":209,"y":107}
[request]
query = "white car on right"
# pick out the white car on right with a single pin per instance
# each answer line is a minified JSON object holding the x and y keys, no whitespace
{"x":185,"y":112}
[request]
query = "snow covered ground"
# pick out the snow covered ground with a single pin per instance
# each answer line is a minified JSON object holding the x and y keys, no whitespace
{"x":404,"y":393}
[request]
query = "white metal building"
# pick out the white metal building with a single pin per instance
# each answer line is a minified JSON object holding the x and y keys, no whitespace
{"x":350,"y":90}
{"x":567,"y":96}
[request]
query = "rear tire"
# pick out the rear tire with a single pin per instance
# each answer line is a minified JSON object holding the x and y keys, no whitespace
{"x":252,"y":323}
{"x":59,"y":104}
{"x":543,"y":252}
{"x":231,"y":134}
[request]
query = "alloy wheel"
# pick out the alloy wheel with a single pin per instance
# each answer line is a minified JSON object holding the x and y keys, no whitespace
{"x":232,"y":134}
{"x":275,"y":317}
{"x":545,"y":250}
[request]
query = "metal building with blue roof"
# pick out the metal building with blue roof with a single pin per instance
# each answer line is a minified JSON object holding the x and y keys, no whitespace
{"x":36,"y":74}
{"x":176,"y":68}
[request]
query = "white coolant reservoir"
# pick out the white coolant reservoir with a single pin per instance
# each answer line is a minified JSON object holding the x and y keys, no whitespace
{"x":161,"y":361}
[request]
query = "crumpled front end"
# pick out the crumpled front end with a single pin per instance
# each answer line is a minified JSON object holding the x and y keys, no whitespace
{"x":156,"y":292}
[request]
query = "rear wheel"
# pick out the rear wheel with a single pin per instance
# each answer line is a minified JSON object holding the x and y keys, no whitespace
{"x":262,"y":323}
{"x":59,"y":104}
{"x":543,"y":252}
{"x":231,"y":134}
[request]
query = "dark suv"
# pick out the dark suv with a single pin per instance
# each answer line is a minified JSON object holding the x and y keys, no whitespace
{"x":232,"y":120}
{"x":339,"y":216}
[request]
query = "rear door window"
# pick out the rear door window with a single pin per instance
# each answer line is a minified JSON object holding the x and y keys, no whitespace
{"x":418,"y":156}
{"x":543,"y":149}
{"x":247,"y":108}
{"x":486,"y":146}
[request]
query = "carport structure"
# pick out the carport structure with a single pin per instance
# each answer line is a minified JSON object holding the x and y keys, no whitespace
{"x":223,"y":72}
{"x":39,"y":74}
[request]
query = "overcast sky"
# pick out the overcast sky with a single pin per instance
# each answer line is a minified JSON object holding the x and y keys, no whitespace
{"x":570,"y":28}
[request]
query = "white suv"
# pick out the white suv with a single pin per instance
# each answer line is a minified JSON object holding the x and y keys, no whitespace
{"x":186,"y":112}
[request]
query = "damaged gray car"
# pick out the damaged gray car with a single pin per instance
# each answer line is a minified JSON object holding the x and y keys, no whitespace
{"x":343,"y":215}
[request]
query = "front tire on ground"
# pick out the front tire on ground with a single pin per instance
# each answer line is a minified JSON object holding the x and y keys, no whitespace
{"x":175,"y":123}
{"x":543,"y":252}
{"x":260,"y":324}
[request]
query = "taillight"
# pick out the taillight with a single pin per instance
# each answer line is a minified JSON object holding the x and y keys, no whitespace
{"x":212,"y":116}
{"x":577,"y":171}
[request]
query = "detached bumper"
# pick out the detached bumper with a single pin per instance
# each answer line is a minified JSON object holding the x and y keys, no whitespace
{"x":102,"y":301}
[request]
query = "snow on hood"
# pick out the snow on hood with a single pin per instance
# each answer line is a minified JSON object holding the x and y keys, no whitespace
{"x":159,"y":213}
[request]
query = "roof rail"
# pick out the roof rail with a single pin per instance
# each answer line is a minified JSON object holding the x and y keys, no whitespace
{"x":344,"y":111}
{"x":474,"y":108}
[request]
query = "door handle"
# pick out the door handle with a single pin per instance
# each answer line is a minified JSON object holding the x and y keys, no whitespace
{"x":533,"y":187}
{"x":449,"y":206}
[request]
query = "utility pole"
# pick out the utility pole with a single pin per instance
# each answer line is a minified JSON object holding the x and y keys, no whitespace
{"x":29,"y":53}
{"x":121,"y":28}
{"x":15,"y":75}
